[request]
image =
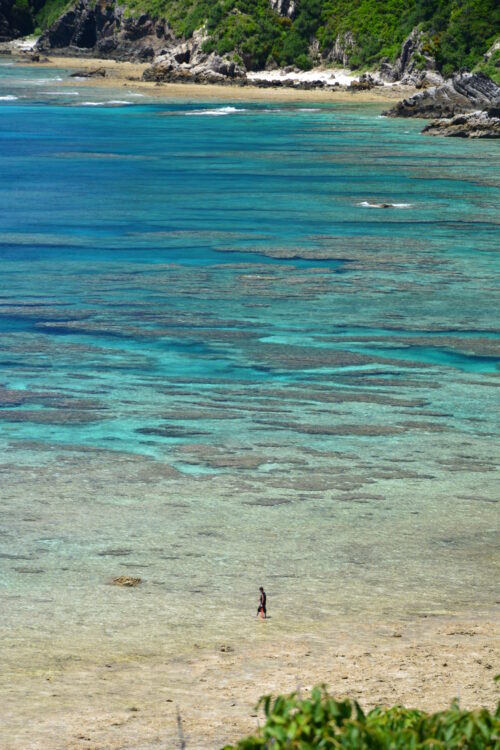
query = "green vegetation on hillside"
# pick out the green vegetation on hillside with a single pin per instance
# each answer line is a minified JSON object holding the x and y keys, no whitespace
{"x":320,"y":722}
{"x":458,"y":32}
{"x":50,"y":12}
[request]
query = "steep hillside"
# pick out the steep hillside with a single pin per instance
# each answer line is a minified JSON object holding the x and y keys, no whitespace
{"x":267,"y":33}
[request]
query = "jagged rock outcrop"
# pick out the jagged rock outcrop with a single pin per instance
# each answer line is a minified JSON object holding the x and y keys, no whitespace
{"x":470,"y":125}
{"x":285,"y":7}
{"x":96,"y":73}
{"x":15,"y":21}
{"x":101,"y":28}
{"x":466,"y":92}
{"x":186,"y":61}
{"x":365,"y":83}
{"x":342,"y":50}
{"x":415,"y":66}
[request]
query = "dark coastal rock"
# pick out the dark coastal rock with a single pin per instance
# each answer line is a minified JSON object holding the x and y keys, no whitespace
{"x":416,"y":65}
{"x":97,"y":73}
{"x":15,"y":20}
{"x":369,"y":79}
{"x":102,"y":29}
{"x":466,"y":92}
{"x":359,"y":86}
{"x":187,"y":62}
{"x":365,"y":83}
{"x":470,"y":125}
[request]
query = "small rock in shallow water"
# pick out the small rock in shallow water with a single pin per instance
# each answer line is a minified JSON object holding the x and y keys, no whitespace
{"x":126,"y":581}
{"x":97,"y":73}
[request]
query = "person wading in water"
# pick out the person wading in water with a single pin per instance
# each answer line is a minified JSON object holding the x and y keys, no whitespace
{"x":262,"y":603}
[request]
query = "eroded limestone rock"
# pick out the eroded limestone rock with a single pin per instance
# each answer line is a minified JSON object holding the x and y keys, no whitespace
{"x":103,"y":29}
{"x":470,"y":125}
{"x":466,"y":92}
{"x":416,"y":65}
{"x":285,"y":7}
{"x":187,"y":61}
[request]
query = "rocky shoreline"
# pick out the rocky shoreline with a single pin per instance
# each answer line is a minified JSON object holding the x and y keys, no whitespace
{"x":470,"y":125}
{"x":98,"y":29}
{"x":185,"y":64}
{"x":465,"y":106}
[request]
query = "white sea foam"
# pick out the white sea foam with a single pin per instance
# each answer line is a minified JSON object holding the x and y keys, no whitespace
{"x":309,"y":109}
{"x":8,"y":98}
{"x":367,"y":204}
{"x":216,"y":112}
{"x":43,"y":81}
{"x":110,"y":103}
{"x":63,"y":93}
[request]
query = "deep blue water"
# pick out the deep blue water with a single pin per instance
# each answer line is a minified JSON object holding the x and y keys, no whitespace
{"x":143,"y":223}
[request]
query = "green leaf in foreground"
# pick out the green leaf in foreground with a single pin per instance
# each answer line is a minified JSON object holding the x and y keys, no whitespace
{"x":323,"y":723}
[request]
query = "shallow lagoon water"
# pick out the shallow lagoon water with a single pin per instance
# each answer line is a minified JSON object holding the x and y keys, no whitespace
{"x":222,"y":365}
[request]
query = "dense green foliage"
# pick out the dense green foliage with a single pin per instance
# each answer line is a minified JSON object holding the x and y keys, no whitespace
{"x":322,"y":723}
{"x":492,"y":66}
{"x":50,"y":12}
{"x":458,"y":31}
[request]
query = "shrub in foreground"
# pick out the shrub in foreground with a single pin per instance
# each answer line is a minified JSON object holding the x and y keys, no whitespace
{"x":320,"y":722}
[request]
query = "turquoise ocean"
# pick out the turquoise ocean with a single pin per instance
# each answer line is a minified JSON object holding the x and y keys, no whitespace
{"x":223,"y":365}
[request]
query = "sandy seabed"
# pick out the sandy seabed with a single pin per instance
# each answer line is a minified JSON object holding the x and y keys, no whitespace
{"x":134,"y":702}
